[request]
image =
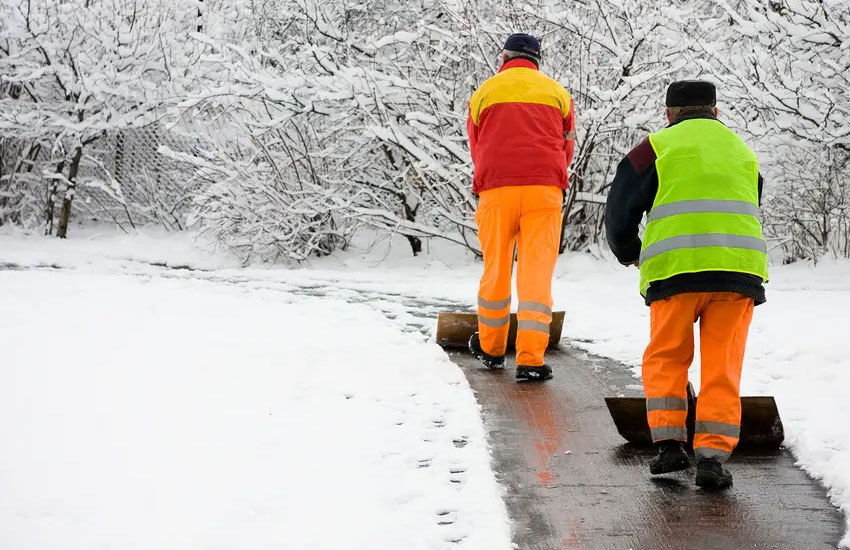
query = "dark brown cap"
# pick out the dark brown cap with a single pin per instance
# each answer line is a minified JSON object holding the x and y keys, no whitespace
{"x":686,"y":93}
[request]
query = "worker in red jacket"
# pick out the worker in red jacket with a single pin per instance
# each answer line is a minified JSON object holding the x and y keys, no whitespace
{"x":521,"y":135}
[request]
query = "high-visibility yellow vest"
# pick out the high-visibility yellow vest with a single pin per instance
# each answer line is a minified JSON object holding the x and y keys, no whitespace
{"x":705,"y":214}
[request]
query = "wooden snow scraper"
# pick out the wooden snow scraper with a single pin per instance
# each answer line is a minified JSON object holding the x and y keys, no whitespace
{"x":455,"y":329}
{"x":761,"y":427}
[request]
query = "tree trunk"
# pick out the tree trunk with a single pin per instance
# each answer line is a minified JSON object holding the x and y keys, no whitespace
{"x":50,"y":209}
{"x":415,"y":244}
{"x":410,"y":214}
{"x":569,"y":199}
{"x":65,"y":214}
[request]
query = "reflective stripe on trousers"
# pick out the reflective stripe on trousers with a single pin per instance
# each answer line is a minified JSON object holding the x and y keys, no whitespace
{"x":538,"y":326}
{"x":494,"y":313}
{"x":494,"y":321}
{"x":535,"y":306}
{"x":667,"y":417}
{"x":497,"y":304}
{"x":708,"y":453}
{"x":666,"y":404}
{"x":528,"y":309}
{"x":707,"y":434}
{"x":707,"y":427}
{"x":661,"y":433}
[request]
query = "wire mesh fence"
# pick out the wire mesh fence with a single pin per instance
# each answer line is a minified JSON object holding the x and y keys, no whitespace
{"x":126,"y":180}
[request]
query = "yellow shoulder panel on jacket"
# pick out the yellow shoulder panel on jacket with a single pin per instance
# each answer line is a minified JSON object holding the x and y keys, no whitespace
{"x":475,"y":103}
{"x":567,"y":102}
{"x":519,"y":85}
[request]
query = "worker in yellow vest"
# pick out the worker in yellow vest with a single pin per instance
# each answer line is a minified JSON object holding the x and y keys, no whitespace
{"x":702,"y":257}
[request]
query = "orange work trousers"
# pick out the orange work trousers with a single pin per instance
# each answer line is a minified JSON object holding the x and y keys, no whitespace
{"x":531,"y":215}
{"x":724,"y":319}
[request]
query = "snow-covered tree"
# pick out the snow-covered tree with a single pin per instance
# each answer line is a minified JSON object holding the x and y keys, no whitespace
{"x":616,"y":58}
{"x":786,"y":75}
{"x":349,"y":103}
{"x":301,"y":121}
{"x":71,"y":71}
{"x":384,"y":85}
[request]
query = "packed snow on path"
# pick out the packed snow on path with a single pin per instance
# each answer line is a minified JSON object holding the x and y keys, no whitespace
{"x":142,"y":412}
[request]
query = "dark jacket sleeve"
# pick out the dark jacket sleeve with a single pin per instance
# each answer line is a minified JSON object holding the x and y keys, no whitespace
{"x":632,"y":193}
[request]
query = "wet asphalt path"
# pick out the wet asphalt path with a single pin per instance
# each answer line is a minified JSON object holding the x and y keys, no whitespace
{"x":573,"y":483}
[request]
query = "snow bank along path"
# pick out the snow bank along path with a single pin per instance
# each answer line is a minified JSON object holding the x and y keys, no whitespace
{"x":171,"y":414}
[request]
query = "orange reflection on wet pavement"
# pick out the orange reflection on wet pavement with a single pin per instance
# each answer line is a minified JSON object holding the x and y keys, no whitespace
{"x":535,"y":405}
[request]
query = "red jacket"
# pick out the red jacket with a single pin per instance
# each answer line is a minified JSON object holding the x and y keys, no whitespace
{"x":521,"y":129}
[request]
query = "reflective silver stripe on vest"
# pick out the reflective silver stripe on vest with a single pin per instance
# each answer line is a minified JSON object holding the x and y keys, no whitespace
{"x":535,"y":306}
{"x":711,"y":453}
{"x":702,"y":207}
{"x":533,"y":325}
{"x":497,"y":304}
{"x":707,"y":427}
{"x":666,"y":404}
{"x":497,"y":322}
{"x":702,"y":241}
{"x":669,"y":432}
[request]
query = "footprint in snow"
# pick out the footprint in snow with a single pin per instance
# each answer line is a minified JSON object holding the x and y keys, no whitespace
{"x":446,"y":517}
{"x":457,"y":475}
{"x":461,"y":442}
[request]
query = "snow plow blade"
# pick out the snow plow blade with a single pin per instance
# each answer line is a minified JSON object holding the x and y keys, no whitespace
{"x":454,"y":329}
{"x":761,"y":427}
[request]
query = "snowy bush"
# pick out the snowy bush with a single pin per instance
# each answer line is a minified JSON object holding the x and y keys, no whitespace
{"x":349,"y":107}
{"x":71,"y":72}
{"x":785,"y":69}
{"x":262,"y":197}
{"x":21,"y":202}
{"x":616,"y":59}
{"x":810,"y":211}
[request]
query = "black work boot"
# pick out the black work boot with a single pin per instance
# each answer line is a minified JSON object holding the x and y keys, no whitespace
{"x":541,"y":373}
{"x":671,"y":458}
{"x":711,"y":475}
{"x":489,"y":361}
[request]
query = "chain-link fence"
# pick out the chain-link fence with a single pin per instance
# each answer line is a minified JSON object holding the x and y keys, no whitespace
{"x":124,"y":179}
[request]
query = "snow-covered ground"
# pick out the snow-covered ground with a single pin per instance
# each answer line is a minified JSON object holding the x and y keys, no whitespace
{"x":264,"y":347}
{"x":145,"y":412}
